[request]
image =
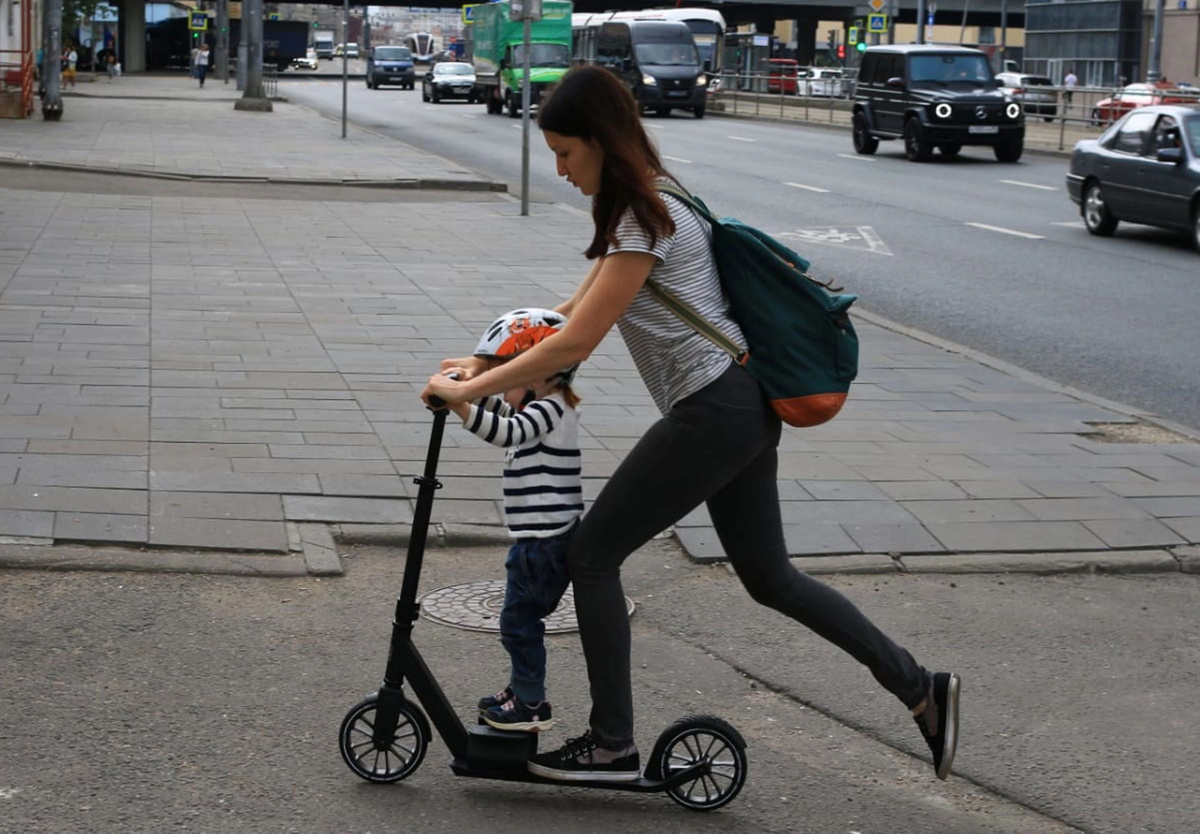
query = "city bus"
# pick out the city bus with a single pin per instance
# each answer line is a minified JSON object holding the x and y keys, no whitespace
{"x":707,"y":25}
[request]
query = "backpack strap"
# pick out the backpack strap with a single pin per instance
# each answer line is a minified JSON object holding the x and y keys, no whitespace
{"x":678,"y":306}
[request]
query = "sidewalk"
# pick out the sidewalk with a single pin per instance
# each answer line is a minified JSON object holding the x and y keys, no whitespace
{"x":232,"y":374}
{"x":169,"y":126}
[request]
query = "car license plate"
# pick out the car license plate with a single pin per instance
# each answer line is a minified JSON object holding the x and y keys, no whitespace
{"x":676,"y":93}
{"x":983,"y":129}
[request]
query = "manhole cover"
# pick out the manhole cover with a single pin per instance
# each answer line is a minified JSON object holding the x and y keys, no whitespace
{"x":475,"y":606}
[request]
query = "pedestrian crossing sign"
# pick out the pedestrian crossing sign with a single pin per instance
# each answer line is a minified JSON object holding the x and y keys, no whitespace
{"x":198,"y":21}
{"x":877,"y":23}
{"x":468,"y":13}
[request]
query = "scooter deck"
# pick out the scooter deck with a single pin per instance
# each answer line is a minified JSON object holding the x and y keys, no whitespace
{"x":639,"y":785}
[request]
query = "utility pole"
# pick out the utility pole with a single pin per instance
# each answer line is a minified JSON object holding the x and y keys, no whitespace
{"x":1154,"y":70}
{"x":1003,"y":33}
{"x":52,"y":104}
{"x":222,"y":53}
{"x":345,"y":59}
{"x":920,"y":21}
{"x":252,"y":36}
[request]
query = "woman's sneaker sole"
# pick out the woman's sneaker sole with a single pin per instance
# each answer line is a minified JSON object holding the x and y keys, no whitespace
{"x":584,"y":775}
{"x":950,"y":742}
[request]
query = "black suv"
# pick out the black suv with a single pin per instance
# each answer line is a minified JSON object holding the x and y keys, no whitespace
{"x":933,"y":96}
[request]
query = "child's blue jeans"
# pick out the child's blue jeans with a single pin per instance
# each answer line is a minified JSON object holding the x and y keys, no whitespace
{"x":537,"y":578}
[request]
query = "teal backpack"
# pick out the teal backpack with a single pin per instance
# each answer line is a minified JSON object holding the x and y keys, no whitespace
{"x":802,"y":347}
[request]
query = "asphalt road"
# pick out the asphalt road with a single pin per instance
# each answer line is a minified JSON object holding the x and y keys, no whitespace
{"x":990,"y":256}
{"x":155,"y":702}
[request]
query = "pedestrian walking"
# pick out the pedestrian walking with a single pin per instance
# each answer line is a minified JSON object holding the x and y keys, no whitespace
{"x":715,"y":444}
{"x":70,"y":61}
{"x":111,"y":64}
{"x":543,"y":499}
{"x":200,"y":62}
{"x":1069,"y":86}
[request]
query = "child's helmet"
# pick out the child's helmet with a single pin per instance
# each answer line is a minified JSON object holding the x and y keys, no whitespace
{"x":517,"y":331}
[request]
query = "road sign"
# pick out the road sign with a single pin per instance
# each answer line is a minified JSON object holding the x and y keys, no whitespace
{"x":852,"y":38}
{"x":198,"y":21}
{"x":468,"y":13}
{"x":878,"y":5}
{"x":877,"y":23}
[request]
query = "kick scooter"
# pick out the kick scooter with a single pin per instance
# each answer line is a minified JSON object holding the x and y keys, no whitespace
{"x":699,"y":761}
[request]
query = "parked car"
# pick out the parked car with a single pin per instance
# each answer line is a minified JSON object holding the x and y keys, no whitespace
{"x":781,"y":75}
{"x":449,"y":79}
{"x":1143,"y":169}
{"x":933,"y":96}
{"x":308,"y":62}
{"x":1036,"y":93}
{"x":1133,"y":96}
{"x":390,"y":65}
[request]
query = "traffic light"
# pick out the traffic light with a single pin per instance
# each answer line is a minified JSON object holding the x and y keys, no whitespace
{"x":841,"y":51}
{"x":862,"y":46}
{"x":852,"y":39}
{"x":832,"y":39}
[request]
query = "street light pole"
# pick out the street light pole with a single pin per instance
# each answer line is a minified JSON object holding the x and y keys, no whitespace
{"x":252,"y":36}
{"x":1154,"y":70}
{"x":345,"y":66}
{"x":52,"y":103}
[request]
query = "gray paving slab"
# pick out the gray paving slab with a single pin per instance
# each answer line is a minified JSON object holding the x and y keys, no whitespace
{"x":202,"y":372}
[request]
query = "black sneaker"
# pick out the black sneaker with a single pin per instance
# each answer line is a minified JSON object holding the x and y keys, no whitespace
{"x":938,"y":722}
{"x":581,"y":759}
{"x":515,"y":714}
{"x":502,"y":697}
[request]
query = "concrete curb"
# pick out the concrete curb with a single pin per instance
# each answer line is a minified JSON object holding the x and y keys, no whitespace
{"x":316,"y":546}
{"x":425,"y":184}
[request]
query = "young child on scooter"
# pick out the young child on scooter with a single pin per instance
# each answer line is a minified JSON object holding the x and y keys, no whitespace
{"x":543,"y":500}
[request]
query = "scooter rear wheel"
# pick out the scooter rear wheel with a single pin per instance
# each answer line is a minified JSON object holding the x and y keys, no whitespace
{"x":690,"y":741}
{"x":397,"y":760}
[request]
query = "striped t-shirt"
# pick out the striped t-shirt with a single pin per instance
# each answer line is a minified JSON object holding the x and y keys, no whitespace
{"x":543,"y":484}
{"x":674,"y":360}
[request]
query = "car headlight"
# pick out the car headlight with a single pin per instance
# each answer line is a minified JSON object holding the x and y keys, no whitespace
{"x":702,"y":81}
{"x":943,"y":110}
{"x":649,"y":80}
{"x":1013,"y":110}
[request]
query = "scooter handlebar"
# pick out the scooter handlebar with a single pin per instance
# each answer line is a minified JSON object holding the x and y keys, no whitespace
{"x":437,"y":403}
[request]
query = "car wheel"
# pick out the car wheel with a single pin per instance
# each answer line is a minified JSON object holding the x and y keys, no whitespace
{"x":424,"y":94}
{"x":864,"y":142}
{"x":950,"y":149}
{"x":514,"y":109}
{"x":1096,"y":216}
{"x":435,"y":96}
{"x":1009,"y":151}
{"x":1196,"y":225}
{"x":1096,"y":120}
{"x":698,"y":111}
{"x":916,"y":144}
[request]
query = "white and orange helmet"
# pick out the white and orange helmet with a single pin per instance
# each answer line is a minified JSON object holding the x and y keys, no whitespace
{"x":517,"y":331}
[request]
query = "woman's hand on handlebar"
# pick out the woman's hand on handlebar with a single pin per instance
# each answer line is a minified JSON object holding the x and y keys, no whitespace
{"x":468,"y":367}
{"x":446,"y":388}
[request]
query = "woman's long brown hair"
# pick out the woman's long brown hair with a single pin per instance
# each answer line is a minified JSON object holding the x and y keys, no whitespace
{"x":591,"y":103}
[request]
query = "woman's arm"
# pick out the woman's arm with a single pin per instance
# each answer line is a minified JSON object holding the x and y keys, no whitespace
{"x":611,"y":289}
{"x":568,"y":306}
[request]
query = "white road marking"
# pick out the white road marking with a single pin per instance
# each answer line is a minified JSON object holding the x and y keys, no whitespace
{"x":1030,"y":185}
{"x":740,"y":139}
{"x":812,"y":188}
{"x":1005,"y":231}
{"x":677,"y":159}
{"x":1074,"y":224}
{"x":856,"y":156}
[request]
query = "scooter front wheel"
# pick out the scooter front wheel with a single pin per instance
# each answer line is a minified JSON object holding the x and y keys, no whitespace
{"x":383,"y":763}
{"x":691,"y":741}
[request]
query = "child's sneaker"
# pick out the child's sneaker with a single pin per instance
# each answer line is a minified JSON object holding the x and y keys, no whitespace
{"x":514,"y":714}
{"x":938,"y":722}
{"x":502,"y":697}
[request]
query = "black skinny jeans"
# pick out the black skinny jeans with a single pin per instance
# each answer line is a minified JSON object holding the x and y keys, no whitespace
{"x":719,"y":446}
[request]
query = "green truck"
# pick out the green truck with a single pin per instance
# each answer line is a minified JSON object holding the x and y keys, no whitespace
{"x":498,"y":53}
